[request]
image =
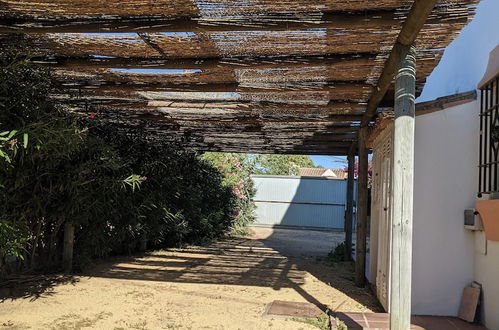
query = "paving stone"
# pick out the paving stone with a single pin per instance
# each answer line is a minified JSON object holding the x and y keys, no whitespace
{"x":296,"y":309}
{"x":379,"y":321}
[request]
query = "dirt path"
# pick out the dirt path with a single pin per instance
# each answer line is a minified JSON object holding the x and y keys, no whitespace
{"x":223,"y":286}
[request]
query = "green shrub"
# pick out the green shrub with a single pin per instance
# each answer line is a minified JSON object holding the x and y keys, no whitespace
{"x":116,"y":188}
{"x":338,"y":253}
{"x":236,"y":170}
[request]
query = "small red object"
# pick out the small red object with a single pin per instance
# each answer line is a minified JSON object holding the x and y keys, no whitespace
{"x":92,"y":115}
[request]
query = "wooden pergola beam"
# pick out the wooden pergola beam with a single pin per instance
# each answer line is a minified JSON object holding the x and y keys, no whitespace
{"x":346,"y":110}
{"x":202,"y":144}
{"x":263,"y":137}
{"x":275,"y":22}
{"x":348,"y":93}
{"x":287,"y":19}
{"x":207,"y":44}
{"x":214,"y":75}
{"x":416,"y":18}
{"x":70,"y":10}
{"x":236,"y":119}
{"x":262,"y":62}
{"x":213,"y":126}
{"x":242,"y":149}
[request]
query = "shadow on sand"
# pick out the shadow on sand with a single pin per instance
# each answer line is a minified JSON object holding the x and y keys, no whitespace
{"x":31,"y":286}
{"x":244,"y":262}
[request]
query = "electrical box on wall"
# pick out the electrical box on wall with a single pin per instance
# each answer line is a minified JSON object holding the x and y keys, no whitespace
{"x":472,"y":220}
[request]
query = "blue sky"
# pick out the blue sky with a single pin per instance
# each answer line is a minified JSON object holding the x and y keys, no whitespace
{"x":461,"y":67}
{"x":465,"y":59}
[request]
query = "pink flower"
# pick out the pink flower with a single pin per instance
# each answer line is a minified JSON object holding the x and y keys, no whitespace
{"x":236,"y":212}
{"x":92,"y":115}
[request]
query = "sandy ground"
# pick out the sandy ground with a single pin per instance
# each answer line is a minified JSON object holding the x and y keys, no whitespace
{"x":226,"y":285}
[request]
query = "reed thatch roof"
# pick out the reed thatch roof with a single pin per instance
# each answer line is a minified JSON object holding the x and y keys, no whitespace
{"x":266,"y":76}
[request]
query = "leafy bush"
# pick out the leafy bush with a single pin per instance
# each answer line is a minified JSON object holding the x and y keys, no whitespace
{"x":338,"y":253}
{"x":281,"y":164}
{"x":115,"y":188}
{"x":236,"y":169}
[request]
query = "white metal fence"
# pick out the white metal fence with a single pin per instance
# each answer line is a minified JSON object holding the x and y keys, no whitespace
{"x":293,"y":201}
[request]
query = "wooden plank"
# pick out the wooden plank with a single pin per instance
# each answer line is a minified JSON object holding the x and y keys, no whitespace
{"x":200,"y":139}
{"x":234,"y":120}
{"x":360,"y":244}
{"x":273,"y":76}
{"x":331,"y":61}
{"x":402,"y":192}
{"x":321,"y":96}
{"x":285,"y":73}
{"x":418,"y":14}
{"x":266,"y":137}
{"x":271,"y":151}
{"x":213,"y":44}
{"x":349,"y":207}
{"x":31,"y":12}
{"x":269,"y":21}
{"x":288,"y":145}
{"x":213,"y":126}
{"x":338,"y":111}
{"x":469,"y":304}
{"x":358,"y":37}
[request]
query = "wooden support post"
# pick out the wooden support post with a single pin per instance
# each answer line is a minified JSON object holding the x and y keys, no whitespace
{"x":143,"y":242}
{"x":360,"y":245}
{"x":349,"y":207}
{"x":402,"y":191}
{"x":67,"y":249}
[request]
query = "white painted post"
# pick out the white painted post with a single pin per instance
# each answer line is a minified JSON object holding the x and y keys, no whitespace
{"x":402,"y":191}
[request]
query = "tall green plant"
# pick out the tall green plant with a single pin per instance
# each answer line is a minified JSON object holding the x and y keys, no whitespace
{"x":236,"y":170}
{"x":51,"y":171}
{"x":281,"y":164}
{"x":116,"y":188}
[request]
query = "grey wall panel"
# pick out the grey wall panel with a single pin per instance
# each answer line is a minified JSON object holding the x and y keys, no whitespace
{"x":300,"y":190}
{"x":300,"y":201}
{"x":300,"y":215}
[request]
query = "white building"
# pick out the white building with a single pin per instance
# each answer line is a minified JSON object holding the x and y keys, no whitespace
{"x":456,"y":165}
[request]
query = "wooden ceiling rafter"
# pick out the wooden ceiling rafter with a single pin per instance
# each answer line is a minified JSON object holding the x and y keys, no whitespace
{"x":267,"y":15}
{"x":286,"y":76}
{"x":412,"y":26}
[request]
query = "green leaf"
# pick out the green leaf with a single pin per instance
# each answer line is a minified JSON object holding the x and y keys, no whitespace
{"x":7,"y":135}
{"x":25,"y":140}
{"x":12,"y":133}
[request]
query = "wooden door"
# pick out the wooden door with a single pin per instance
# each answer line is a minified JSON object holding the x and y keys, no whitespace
{"x":381,"y":215}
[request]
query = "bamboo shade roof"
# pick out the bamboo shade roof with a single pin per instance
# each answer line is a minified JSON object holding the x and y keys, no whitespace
{"x":263,"y":76}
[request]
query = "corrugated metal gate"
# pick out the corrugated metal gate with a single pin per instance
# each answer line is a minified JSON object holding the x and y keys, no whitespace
{"x":293,"y":201}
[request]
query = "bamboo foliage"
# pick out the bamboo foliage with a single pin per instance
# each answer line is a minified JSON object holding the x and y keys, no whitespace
{"x":114,"y":186}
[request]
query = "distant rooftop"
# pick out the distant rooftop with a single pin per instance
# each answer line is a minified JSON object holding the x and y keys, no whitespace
{"x":319,"y":171}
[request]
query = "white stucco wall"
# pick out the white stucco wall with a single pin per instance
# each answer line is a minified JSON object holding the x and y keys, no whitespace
{"x":446,"y":160}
